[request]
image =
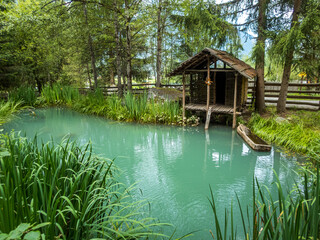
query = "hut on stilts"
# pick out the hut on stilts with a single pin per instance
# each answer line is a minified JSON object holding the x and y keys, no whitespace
{"x":218,"y":83}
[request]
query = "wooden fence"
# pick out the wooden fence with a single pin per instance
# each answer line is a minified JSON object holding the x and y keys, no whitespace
{"x":136,"y":88}
{"x":300,"y":95}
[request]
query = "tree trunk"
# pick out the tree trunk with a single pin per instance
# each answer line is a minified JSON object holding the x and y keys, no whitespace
{"x":91,"y":49}
{"x":89,"y":78}
{"x":128,"y":35}
{"x":159,"y":44}
{"x":281,"y":105}
{"x":118,"y":59}
{"x":260,"y":58}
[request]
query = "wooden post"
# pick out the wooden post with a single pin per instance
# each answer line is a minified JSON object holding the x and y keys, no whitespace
{"x":234,"y":123}
{"x":183,"y":97}
{"x":208,"y":83}
{"x":214,"y":88}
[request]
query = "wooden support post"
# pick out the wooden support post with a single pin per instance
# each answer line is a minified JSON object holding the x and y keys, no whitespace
{"x":206,"y":126}
{"x":234,"y":123}
{"x":214,"y":88}
{"x":208,"y":83}
{"x":183,"y":97}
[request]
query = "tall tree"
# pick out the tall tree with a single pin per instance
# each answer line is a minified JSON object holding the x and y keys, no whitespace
{"x":90,"y":46}
{"x":259,"y":15}
{"x":260,"y":55}
{"x":281,"y":105}
{"x":159,"y":42}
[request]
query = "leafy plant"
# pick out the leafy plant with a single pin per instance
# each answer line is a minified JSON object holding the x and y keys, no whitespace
{"x":70,"y":188}
{"x":25,"y":231}
{"x":7,"y":109}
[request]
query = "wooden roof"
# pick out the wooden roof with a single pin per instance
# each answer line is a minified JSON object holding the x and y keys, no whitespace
{"x":199,"y":61}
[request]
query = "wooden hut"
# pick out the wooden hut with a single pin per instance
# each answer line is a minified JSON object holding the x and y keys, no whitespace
{"x":218,"y":83}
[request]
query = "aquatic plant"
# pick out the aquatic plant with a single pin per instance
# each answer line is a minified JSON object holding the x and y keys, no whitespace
{"x":7,"y":109}
{"x":24,"y":94}
{"x":69,"y":188}
{"x":293,"y":215}
{"x":57,"y":94}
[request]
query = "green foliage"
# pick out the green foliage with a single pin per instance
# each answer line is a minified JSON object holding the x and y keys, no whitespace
{"x":294,"y":135}
{"x":58,"y":94}
{"x":25,"y":231}
{"x":289,"y":216}
{"x":25,"y":94}
{"x":7,"y":109}
{"x":68,"y":187}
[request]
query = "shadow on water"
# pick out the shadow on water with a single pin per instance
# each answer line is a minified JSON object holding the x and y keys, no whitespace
{"x":172,"y":167}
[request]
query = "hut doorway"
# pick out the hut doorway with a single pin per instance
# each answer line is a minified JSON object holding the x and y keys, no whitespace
{"x":221,"y":88}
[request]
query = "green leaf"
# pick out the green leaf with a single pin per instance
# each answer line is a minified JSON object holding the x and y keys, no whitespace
{"x":40,"y":225}
{"x":3,"y":236}
{"x":18,"y":232}
{"x":34,"y":235}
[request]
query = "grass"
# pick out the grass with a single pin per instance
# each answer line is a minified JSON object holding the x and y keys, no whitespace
{"x":68,"y":189}
{"x":57,"y":94}
{"x":293,"y":215}
{"x":130,"y":108}
{"x":299,"y":133}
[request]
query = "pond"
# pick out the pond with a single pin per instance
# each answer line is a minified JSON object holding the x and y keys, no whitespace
{"x":172,"y":167}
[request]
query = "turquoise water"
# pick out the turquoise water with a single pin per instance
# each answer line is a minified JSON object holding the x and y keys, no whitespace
{"x":171,"y":167}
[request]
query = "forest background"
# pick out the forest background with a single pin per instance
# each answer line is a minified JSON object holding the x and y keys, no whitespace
{"x":107,"y":42}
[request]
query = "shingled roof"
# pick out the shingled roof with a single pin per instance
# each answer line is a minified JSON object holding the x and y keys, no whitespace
{"x":199,"y":61}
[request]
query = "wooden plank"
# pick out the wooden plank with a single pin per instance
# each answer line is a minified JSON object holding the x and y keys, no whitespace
{"x":295,"y":96}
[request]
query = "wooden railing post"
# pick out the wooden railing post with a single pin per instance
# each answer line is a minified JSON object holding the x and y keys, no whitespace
{"x":183,"y":98}
{"x":234,"y":122}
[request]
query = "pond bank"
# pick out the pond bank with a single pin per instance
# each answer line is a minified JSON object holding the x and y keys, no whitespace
{"x":297,"y":131}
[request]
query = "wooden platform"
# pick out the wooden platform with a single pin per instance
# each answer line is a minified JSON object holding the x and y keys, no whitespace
{"x":216,"y":108}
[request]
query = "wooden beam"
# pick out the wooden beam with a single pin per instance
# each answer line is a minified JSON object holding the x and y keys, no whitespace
{"x":234,"y":123}
{"x":183,"y":97}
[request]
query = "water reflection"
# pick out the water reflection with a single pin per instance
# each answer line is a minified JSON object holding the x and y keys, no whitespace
{"x":171,"y":166}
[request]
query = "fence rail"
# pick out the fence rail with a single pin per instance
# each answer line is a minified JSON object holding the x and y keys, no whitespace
{"x":136,"y":88}
{"x":300,"y":95}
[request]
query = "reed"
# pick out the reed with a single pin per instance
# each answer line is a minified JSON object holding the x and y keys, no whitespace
{"x":290,"y":216}
{"x":57,"y":94}
{"x":69,"y":188}
{"x":24,"y":94}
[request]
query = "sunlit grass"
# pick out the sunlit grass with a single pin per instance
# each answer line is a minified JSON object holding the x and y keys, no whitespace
{"x":300,"y":133}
